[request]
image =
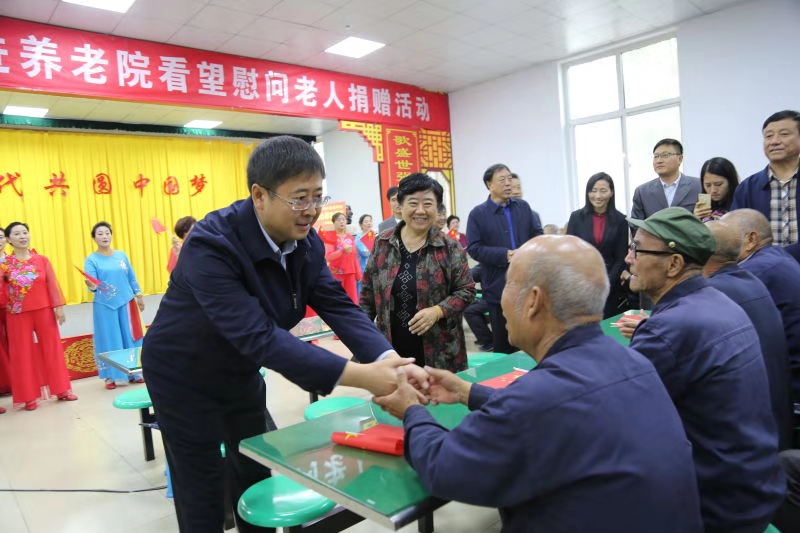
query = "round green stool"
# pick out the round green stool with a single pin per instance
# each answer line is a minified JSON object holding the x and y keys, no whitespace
{"x":140,"y":399}
{"x":280,"y":502}
{"x":478,"y":359}
{"x":327,"y":406}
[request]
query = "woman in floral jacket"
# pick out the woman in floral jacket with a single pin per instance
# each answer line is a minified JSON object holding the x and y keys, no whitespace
{"x":417,"y":282}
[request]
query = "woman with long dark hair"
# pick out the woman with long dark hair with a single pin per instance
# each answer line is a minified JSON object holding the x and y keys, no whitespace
{"x":600,"y":224}
{"x":719,"y":179}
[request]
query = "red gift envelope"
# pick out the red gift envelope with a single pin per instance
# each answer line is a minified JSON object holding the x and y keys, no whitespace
{"x":633,"y":317}
{"x":381,"y":438}
{"x":500,"y":382}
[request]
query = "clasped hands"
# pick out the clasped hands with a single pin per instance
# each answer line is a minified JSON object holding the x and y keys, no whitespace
{"x":398,"y":383}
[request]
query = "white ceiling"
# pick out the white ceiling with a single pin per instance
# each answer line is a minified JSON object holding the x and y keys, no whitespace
{"x":442,"y":45}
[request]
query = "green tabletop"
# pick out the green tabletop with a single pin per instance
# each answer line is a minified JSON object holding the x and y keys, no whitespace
{"x":612,"y":331}
{"x":382,"y":488}
{"x":129,"y":360}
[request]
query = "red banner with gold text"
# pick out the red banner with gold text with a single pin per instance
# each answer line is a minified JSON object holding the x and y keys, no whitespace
{"x":40,"y":57}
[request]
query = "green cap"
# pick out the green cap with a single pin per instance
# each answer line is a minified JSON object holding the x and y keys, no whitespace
{"x":681,"y":231}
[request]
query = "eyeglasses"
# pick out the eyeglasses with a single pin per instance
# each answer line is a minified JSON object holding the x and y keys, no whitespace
{"x":634,"y":250}
{"x":301,"y":204}
{"x":664,"y":155}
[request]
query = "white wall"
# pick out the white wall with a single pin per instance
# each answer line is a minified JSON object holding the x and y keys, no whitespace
{"x":737,"y":67}
{"x":351,"y":174}
{"x":514,"y":120}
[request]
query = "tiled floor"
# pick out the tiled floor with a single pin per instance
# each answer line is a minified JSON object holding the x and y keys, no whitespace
{"x":88,"y":444}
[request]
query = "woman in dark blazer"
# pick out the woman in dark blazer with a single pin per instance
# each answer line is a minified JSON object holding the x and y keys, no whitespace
{"x":601,"y":225}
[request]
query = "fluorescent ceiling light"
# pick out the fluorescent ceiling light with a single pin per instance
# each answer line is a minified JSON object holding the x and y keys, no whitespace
{"x":22,"y":111}
{"x":354,"y":47}
{"x":118,"y":6}
{"x":203,"y":124}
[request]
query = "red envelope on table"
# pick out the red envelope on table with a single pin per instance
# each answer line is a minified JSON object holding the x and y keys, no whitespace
{"x":501,"y":382}
{"x":381,"y":438}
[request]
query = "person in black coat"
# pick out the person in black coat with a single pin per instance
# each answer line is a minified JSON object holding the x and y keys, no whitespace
{"x":601,"y":225}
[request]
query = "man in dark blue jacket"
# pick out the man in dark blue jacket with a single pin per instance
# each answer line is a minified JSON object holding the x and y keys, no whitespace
{"x":725,"y":275}
{"x":708,"y":355}
{"x":778,"y":271}
{"x":495,"y":229}
{"x":244,"y":278}
{"x":774,"y":191}
{"x":587,"y":441}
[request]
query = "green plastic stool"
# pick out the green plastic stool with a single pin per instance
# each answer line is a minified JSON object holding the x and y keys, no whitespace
{"x":478,"y":359}
{"x":280,"y":502}
{"x":772,"y":529}
{"x":140,"y":399}
{"x":327,"y":406}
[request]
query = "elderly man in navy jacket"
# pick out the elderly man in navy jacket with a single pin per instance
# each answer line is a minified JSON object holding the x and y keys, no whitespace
{"x":709,"y":357}
{"x":244,"y":278}
{"x":725,"y":275}
{"x":495,"y":229}
{"x":587,"y":441}
{"x":778,"y":271}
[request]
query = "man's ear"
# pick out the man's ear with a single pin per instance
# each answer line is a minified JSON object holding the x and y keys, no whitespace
{"x":675,"y":265}
{"x":534,"y":302}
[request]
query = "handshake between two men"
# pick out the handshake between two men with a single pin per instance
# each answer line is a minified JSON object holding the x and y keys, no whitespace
{"x":398,"y":383}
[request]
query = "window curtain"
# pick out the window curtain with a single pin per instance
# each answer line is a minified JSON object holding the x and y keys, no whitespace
{"x":39,"y":165}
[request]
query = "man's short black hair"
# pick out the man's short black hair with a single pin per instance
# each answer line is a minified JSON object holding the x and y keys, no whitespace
{"x":489,"y":174}
{"x":392,"y":192}
{"x":281,"y":158}
{"x":783,"y":115}
{"x":672,"y":142}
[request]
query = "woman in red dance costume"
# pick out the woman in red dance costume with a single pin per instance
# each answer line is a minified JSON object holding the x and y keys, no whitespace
{"x":5,"y":380}
{"x":35,"y":304}
{"x":340,"y":251}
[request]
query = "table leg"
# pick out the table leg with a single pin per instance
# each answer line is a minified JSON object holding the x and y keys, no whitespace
{"x":425,"y":524}
{"x":147,"y":420}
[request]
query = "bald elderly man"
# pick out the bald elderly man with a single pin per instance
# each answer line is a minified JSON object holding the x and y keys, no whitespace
{"x":776,"y":269}
{"x":586,"y":441}
{"x":709,"y":357}
{"x":724,"y":274}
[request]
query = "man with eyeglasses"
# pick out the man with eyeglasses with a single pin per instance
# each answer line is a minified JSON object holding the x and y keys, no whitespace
{"x":709,"y":357}
{"x":245,"y":277}
{"x":773,"y":190}
{"x":495,"y":229}
{"x":671,"y":188}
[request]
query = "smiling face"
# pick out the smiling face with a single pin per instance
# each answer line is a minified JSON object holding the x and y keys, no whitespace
{"x":600,"y":195}
{"x":716,"y":186}
{"x":419,"y":210}
{"x":782,"y":141}
{"x":277,"y":217}
{"x":102,"y":236}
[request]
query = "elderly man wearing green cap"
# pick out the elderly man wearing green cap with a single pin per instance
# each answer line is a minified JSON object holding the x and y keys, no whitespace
{"x":708,"y":355}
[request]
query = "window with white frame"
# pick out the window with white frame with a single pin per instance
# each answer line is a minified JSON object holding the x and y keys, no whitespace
{"x":617,"y":107}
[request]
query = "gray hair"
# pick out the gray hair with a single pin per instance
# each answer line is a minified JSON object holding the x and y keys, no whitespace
{"x":572,"y":292}
{"x":747,"y":220}
{"x":729,"y":240}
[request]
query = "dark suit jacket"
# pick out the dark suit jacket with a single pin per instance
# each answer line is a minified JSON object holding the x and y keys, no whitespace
{"x":389,"y":223}
{"x":228,"y":309}
{"x":613,"y":248}
{"x":650,"y":198}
